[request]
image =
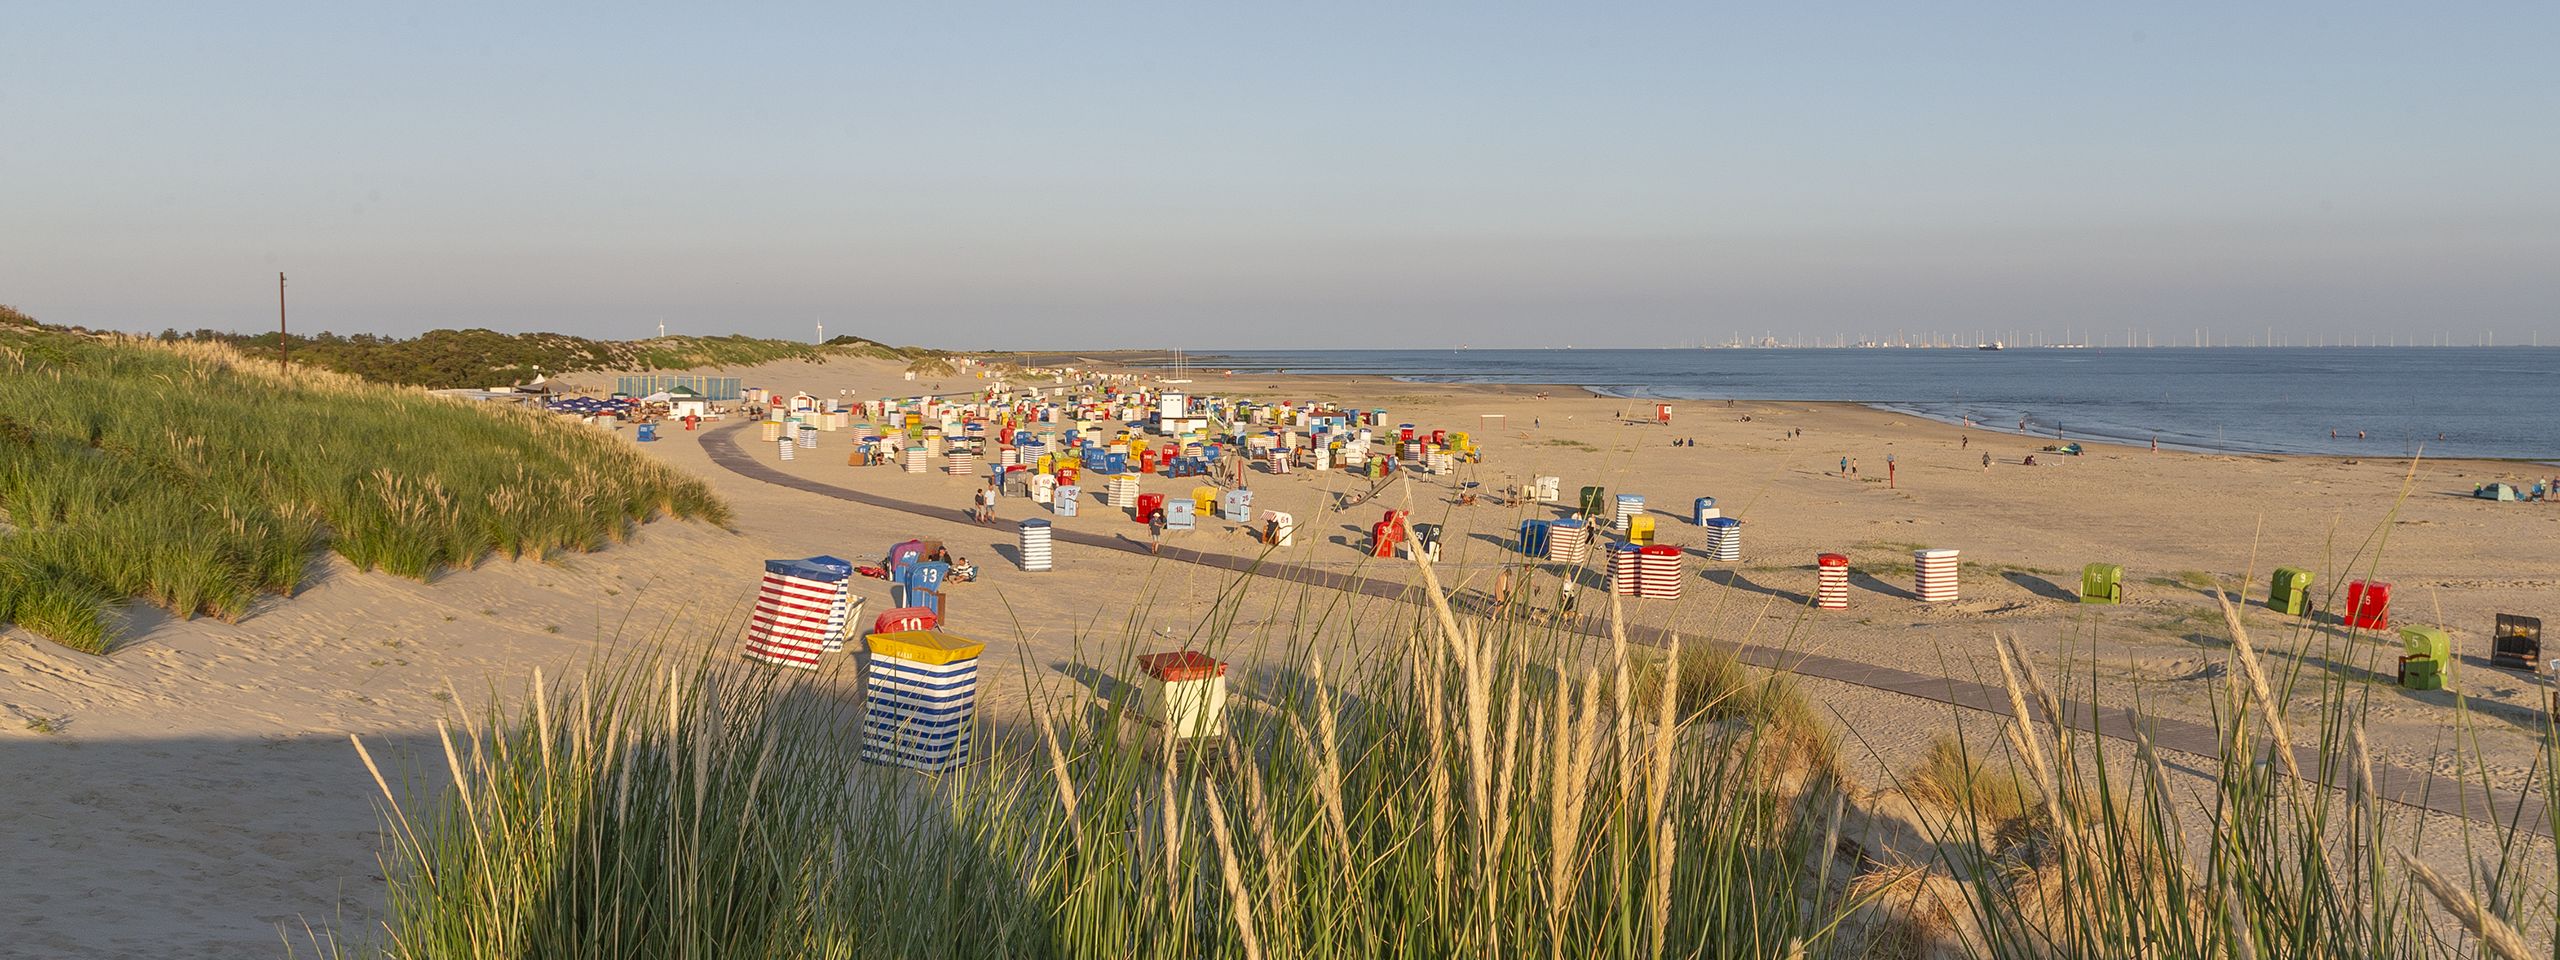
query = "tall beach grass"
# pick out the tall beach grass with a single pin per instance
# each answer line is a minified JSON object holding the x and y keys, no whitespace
{"x":1410,"y":782}
{"x":192,"y":479}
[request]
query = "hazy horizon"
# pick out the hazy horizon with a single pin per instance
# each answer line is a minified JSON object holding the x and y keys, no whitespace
{"x":1151,"y":177}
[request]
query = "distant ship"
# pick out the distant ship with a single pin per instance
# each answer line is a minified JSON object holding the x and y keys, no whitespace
{"x":1993,"y":345}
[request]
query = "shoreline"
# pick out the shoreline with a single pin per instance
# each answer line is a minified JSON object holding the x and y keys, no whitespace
{"x":1348,"y":383}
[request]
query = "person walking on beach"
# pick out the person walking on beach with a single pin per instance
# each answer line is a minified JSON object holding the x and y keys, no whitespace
{"x":1964,"y":441}
{"x":1888,"y":471}
{"x":1844,"y":466}
{"x":1853,"y":467}
{"x":1986,"y":463}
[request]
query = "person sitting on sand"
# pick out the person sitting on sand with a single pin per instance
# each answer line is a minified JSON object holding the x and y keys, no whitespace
{"x":963,"y":571}
{"x":2031,"y":460}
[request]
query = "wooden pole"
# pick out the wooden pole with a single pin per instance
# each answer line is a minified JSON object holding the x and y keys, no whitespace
{"x":284,"y":359}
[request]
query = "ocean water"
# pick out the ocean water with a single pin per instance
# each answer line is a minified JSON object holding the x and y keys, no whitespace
{"x":2491,"y":402}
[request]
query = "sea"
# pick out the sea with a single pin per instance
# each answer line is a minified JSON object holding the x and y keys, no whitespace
{"x":2465,"y":402}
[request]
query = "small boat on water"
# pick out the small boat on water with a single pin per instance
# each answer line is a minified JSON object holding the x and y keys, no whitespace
{"x":1993,"y":345}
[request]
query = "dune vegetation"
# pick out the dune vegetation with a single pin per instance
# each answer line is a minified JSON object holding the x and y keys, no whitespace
{"x":1471,"y":785}
{"x":189,"y":478}
{"x":477,"y":357}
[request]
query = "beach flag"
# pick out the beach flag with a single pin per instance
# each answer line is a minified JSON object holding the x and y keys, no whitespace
{"x":920,"y":697}
{"x":1831,"y":583}
{"x":1724,"y":540}
{"x":1934,"y":575}
{"x":800,"y":611}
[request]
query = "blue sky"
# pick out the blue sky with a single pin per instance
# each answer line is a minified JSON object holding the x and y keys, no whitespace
{"x":1232,"y":175}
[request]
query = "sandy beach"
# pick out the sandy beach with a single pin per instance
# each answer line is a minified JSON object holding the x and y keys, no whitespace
{"x":194,"y":791}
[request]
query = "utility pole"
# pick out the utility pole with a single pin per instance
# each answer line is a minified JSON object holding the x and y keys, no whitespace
{"x":284,"y":358}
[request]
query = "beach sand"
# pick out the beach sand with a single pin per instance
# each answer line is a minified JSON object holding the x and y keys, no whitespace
{"x":200,"y":792}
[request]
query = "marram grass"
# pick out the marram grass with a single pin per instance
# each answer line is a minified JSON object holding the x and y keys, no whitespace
{"x":192,"y":479}
{"x":1458,"y":786}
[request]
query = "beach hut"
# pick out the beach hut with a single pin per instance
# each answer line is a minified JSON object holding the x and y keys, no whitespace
{"x":920,"y":698}
{"x":1063,"y":500}
{"x":1238,"y":506}
{"x":1547,"y":489}
{"x":1702,"y":510}
{"x":2289,"y":591}
{"x":1186,"y":691}
{"x":1831,"y":581}
{"x":1622,"y":569}
{"x":1659,"y":572}
{"x":1533,"y":538}
{"x":800,"y":611}
{"x":787,"y":448}
{"x":1568,"y":541}
{"x":1628,"y":505}
{"x":1034,"y":544}
{"x":1724,"y":540}
{"x":1204,"y":499}
{"x":2102,"y":583}
{"x":1934,"y":574}
{"x":1180,"y":516}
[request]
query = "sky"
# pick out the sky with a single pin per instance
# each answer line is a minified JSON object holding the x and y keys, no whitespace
{"x":1206,"y":176}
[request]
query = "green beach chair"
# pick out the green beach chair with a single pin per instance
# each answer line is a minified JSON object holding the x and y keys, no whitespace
{"x":2420,"y":673}
{"x":2290,"y":591}
{"x":2429,"y":658}
{"x":1596,"y":502}
{"x":2102,"y":583}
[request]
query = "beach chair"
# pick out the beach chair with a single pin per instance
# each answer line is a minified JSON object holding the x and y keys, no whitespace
{"x":2516,"y":644}
{"x":2102,"y":583}
{"x":2289,"y":591}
